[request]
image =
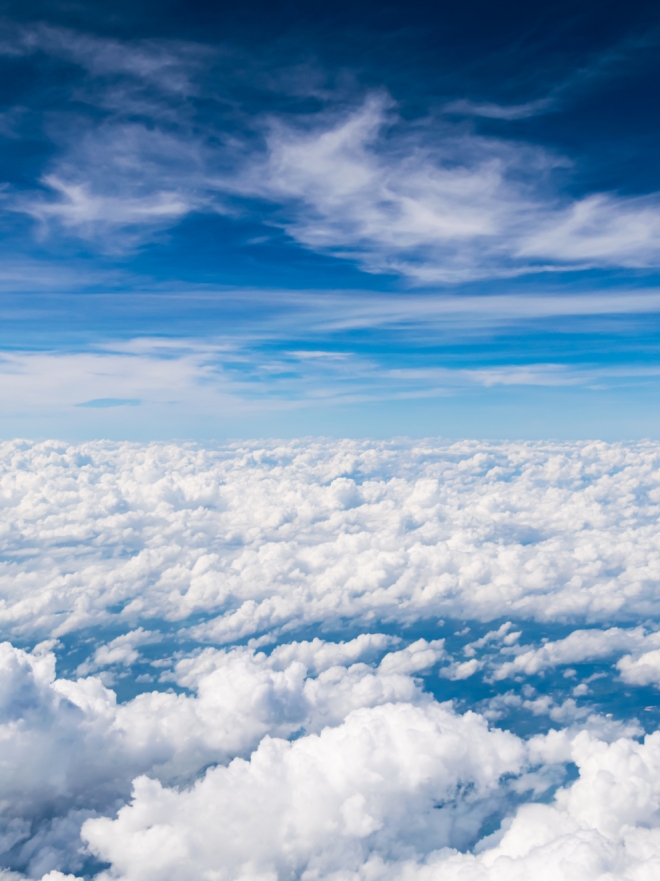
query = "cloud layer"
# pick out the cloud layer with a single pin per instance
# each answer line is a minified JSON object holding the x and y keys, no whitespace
{"x":289,"y":659}
{"x":258,"y":538}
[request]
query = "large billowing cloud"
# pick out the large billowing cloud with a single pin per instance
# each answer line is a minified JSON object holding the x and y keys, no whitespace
{"x":391,"y":792}
{"x":329,"y":659}
{"x":70,"y":749}
{"x":385,"y":781}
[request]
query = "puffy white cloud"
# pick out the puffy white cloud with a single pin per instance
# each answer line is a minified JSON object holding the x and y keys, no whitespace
{"x":254,"y":539}
{"x":463,"y":670}
{"x":378,"y":797}
{"x":70,"y":750}
{"x":642,"y":667}
{"x":604,"y":825}
{"x":387,"y":780}
{"x":642,"y":670}
{"x":416,"y":657}
{"x":327,"y":755}
{"x":121,"y":650}
{"x":578,"y":647}
{"x":318,"y":655}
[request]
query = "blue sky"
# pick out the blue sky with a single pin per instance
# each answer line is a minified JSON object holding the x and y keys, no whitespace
{"x":364,"y":219}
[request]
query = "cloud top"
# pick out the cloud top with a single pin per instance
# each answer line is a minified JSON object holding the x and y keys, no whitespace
{"x":253,"y":538}
{"x":267,"y":660}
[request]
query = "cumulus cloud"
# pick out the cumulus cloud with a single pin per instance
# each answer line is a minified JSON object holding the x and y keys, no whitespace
{"x":384,"y":781}
{"x":255,"y":538}
{"x":87,"y":747}
{"x":462,"y":670}
{"x":641,"y":667}
{"x":303,"y":752}
{"x":242,"y":657}
{"x":641,"y":670}
{"x":576,"y":648}
{"x":344,"y":802}
{"x":121,"y":650}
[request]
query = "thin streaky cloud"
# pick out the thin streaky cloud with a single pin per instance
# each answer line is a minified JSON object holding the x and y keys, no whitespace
{"x":169,"y":65}
{"x":490,"y":110}
{"x":629,"y":54}
{"x":430,"y":202}
{"x":194,"y":379}
{"x":443,"y":209}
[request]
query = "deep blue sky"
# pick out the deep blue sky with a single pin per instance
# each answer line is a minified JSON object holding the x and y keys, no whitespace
{"x":392,"y":218}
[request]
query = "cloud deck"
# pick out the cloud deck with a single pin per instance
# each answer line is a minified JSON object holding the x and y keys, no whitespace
{"x":400,"y":660}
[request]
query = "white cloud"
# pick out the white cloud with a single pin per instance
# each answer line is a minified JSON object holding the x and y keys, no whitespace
{"x":86,"y":748}
{"x":121,"y":182}
{"x":446,"y":314}
{"x":461,"y":670}
{"x":439,"y":206}
{"x":298,"y":533}
{"x":578,"y":647}
{"x":318,"y":655}
{"x":312,"y":755}
{"x":394,"y":204}
{"x":418,"y":656}
{"x":79,"y":208}
{"x":307,"y":756}
{"x":641,"y":667}
{"x":320,"y":804}
{"x":344,"y":803}
{"x":121,"y":650}
{"x":167,"y":64}
{"x":641,"y":670}
{"x":464,"y":107}
{"x":141,"y":164}
{"x":157,"y":371}
{"x":70,"y":750}
{"x":428,"y":200}
{"x":600,"y":230}
{"x":188,"y":382}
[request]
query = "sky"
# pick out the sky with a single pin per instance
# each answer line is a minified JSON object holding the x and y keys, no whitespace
{"x":346,"y":219}
{"x":329,"y":441}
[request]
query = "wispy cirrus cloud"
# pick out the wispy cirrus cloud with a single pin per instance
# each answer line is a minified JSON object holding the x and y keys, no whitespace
{"x":491,"y":110}
{"x":168,"y":65}
{"x":427,"y":200}
{"x":233,"y":378}
{"x":436,"y":205}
